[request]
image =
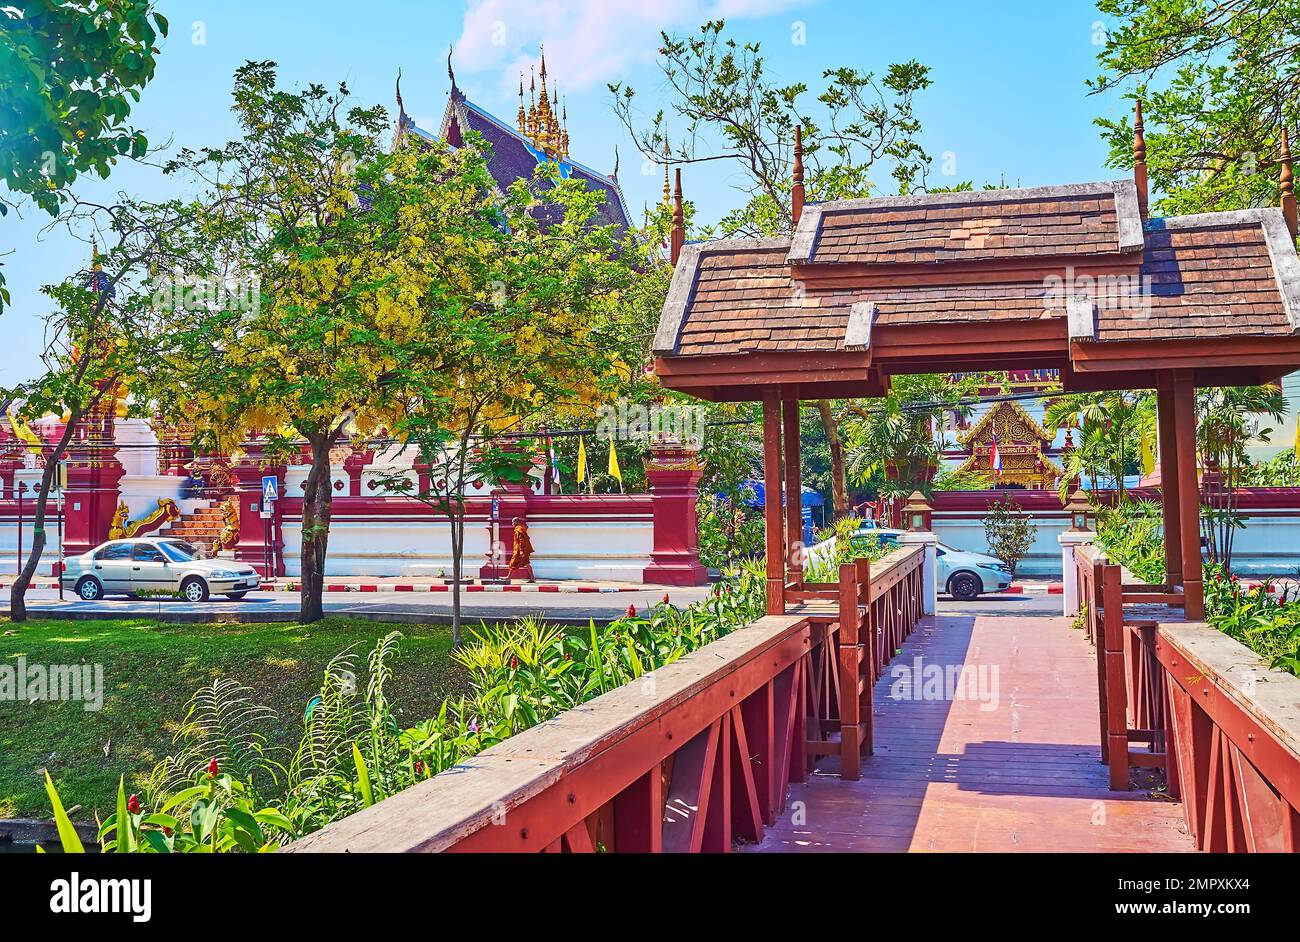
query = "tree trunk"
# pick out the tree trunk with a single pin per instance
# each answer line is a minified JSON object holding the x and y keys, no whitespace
{"x":18,"y":592}
{"x":839,"y":485}
{"x":317,"y":500}
{"x":457,"y":560}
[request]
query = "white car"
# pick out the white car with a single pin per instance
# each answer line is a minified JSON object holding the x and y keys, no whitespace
{"x":128,"y":567}
{"x":965,"y":576}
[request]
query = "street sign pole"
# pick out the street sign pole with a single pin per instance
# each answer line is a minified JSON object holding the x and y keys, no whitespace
{"x":62,"y":480}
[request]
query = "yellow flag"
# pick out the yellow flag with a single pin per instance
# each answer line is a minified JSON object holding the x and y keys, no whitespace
{"x":24,"y":432}
{"x":614,"y":470}
{"x":1148,"y":455}
{"x":1297,"y":435}
{"x":582,"y":460}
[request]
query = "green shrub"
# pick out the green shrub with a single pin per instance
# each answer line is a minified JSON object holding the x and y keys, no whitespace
{"x":225,"y":790}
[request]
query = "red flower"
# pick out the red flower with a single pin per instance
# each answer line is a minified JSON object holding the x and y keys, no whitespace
{"x":133,"y":804}
{"x":631,"y":611}
{"x":514,"y":663}
{"x":665,"y":598}
{"x":568,"y":656}
{"x":212,"y":769}
{"x":419,"y":767}
{"x":167,"y":830}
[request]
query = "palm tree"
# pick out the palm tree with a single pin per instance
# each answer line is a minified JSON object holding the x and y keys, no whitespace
{"x":1111,"y":426}
{"x":1228,"y":420}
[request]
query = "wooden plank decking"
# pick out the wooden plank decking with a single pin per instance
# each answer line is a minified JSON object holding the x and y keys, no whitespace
{"x":1018,"y":772}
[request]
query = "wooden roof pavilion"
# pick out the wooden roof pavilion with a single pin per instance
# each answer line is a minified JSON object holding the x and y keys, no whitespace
{"x":1076,"y":278}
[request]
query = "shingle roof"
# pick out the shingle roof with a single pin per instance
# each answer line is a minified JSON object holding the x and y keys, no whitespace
{"x":1083,"y":219}
{"x":1205,"y":275}
{"x":1202,"y":276}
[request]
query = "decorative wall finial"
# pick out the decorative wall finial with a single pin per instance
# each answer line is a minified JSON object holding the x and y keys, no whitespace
{"x":1140,"y":160}
{"x":797,"y":191}
{"x":1287,"y":186}
{"x":679,"y":220}
{"x":614,"y":175}
{"x":450,"y":74}
{"x":668,"y":190}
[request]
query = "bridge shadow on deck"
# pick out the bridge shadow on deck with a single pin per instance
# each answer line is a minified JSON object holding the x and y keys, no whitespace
{"x":1004,"y":759}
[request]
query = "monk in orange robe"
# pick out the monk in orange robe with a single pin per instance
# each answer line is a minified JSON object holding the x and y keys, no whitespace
{"x":522,"y":554}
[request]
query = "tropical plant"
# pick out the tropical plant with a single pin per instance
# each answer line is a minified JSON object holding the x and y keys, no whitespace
{"x":1111,"y":426}
{"x":1228,"y":420}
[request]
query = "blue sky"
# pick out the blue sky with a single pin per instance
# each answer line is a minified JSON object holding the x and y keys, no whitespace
{"x":1008,"y":98}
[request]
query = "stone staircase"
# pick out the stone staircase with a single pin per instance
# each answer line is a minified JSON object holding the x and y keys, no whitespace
{"x":201,"y":527}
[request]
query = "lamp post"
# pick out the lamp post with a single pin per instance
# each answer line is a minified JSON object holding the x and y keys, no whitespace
{"x":918,"y":515}
{"x":1078,"y":508}
{"x":1079,"y":533}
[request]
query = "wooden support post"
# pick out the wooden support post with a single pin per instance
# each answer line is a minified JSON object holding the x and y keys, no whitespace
{"x":1169,"y":480}
{"x":1113,"y":651}
{"x":793,"y":492}
{"x":639,"y":815}
{"x":867,"y":668}
{"x":775,"y":543}
{"x":850,"y":669}
{"x":1189,"y":494}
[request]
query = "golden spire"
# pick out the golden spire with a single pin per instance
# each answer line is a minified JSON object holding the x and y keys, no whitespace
{"x":531,"y":128}
{"x":545,"y":135}
{"x":522,"y":119}
{"x":668,"y":190}
{"x":564,"y":130}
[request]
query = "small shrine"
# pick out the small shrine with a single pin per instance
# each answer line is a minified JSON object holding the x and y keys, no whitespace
{"x":1021,"y":446}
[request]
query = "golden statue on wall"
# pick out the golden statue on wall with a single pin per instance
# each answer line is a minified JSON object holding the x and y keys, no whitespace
{"x":229,"y":534}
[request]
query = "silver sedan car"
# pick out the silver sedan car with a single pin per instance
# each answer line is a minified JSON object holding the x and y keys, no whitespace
{"x":158,"y":567}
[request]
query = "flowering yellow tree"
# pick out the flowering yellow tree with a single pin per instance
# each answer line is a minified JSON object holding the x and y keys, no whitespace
{"x":296,"y":297}
{"x":524,"y":314}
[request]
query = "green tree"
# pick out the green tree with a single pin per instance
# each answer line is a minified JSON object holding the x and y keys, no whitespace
{"x":1010,"y":532}
{"x":516,"y":321}
{"x":1111,"y":428}
{"x":100,"y":334}
{"x":304,"y":267}
{"x":728,"y":108}
{"x":70,"y":72}
{"x":1219,"y":79}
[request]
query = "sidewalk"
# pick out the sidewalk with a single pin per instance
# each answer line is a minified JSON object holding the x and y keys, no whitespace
{"x":415,"y":584}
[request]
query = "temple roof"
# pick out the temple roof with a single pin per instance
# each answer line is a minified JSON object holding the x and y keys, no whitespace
{"x":1061,"y":277}
{"x":514,"y":156}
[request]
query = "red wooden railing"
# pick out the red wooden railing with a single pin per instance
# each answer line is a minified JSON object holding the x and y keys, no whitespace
{"x":695,"y":756}
{"x":1121,"y":621}
{"x":1224,"y":728}
{"x":1234,"y":729}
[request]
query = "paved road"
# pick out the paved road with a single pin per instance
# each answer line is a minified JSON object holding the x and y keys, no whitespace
{"x":436,"y":607}
{"x":395,"y":606}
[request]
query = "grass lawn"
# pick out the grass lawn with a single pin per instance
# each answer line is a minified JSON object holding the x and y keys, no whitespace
{"x":150,"y":672}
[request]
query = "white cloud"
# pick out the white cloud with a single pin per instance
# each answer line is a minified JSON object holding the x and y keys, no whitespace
{"x":587,"y":43}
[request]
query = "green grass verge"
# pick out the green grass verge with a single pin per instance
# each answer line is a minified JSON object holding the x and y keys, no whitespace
{"x":150,"y":672}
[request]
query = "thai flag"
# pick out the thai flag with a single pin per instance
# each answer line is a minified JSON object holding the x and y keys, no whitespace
{"x":554,"y":468}
{"x":995,"y":457}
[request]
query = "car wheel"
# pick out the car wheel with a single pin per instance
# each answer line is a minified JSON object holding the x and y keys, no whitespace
{"x":235,"y":596}
{"x":194,"y":589}
{"x":89,"y":590}
{"x":964,"y":587}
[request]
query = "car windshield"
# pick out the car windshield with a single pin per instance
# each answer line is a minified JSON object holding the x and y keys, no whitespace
{"x":178,"y":551}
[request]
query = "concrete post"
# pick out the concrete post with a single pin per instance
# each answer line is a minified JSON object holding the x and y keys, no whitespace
{"x":929,"y":569}
{"x":1069,"y":574}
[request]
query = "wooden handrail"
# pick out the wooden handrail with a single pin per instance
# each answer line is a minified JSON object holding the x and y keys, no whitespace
{"x":1233,"y":726}
{"x":691,"y":757}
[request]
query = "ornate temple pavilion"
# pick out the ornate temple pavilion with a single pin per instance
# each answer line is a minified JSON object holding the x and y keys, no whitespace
{"x":1076,"y":278}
